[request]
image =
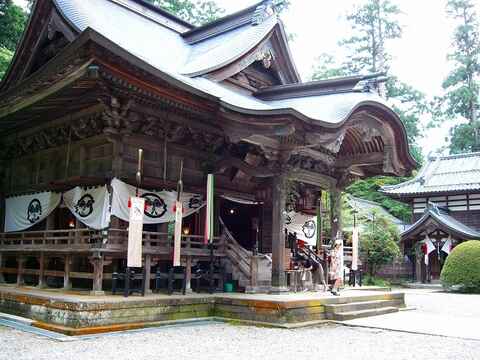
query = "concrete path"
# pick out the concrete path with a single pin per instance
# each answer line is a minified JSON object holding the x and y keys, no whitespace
{"x":436,"y":313}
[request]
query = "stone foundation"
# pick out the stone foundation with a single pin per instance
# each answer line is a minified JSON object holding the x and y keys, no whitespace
{"x":75,"y":315}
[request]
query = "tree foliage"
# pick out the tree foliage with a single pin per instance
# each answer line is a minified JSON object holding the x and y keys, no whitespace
{"x":373,"y":25}
{"x":368,"y":189}
{"x":462,"y":267}
{"x":378,"y":246}
{"x":196,"y":12}
{"x":461,"y":98}
{"x":12,"y":23}
{"x":325,"y":67}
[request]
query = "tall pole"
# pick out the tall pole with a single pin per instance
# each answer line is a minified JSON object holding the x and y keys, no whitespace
{"x":278,"y":235}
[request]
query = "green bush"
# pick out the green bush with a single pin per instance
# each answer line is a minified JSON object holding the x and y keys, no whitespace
{"x":462,"y":267}
{"x":378,"y":246}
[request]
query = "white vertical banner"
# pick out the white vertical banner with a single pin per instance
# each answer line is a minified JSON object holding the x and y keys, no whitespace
{"x":177,"y":242}
{"x":209,"y":213}
{"x":355,"y":249}
{"x":135,"y":232}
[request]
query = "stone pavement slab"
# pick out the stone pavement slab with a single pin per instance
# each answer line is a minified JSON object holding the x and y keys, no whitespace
{"x":436,"y":313}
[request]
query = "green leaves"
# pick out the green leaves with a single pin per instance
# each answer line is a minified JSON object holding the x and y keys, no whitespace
{"x":12,"y":23}
{"x":5,"y":58}
{"x":462,"y":85}
{"x":379,"y":245}
{"x":195,"y":12}
{"x":368,"y":189}
{"x":462,"y":267}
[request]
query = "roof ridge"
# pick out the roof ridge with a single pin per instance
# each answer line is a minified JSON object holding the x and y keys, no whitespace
{"x":215,"y":27}
{"x":456,"y":156}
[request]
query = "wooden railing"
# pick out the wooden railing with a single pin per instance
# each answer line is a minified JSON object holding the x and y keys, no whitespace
{"x":113,"y":240}
{"x":71,"y":239}
{"x":237,"y":254}
{"x":158,"y":242}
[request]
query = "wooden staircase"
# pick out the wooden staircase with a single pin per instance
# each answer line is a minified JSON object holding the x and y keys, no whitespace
{"x":238,"y":260}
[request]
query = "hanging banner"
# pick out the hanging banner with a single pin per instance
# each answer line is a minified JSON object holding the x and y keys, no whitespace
{"x":135,"y":232}
{"x":447,"y":245}
{"x":177,"y":241}
{"x":22,"y":212}
{"x":355,"y":249}
{"x":209,"y":213}
{"x":305,"y":226}
{"x":159,"y":205}
{"x":427,"y":247}
{"x":89,"y":205}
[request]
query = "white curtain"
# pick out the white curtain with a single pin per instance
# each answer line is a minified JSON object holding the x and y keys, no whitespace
{"x":159,"y":205}
{"x":89,"y":205}
{"x":305,"y":226}
{"x":22,"y":212}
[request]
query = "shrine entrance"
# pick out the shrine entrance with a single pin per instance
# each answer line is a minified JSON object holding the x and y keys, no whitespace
{"x":435,"y":264}
{"x":241,"y":219}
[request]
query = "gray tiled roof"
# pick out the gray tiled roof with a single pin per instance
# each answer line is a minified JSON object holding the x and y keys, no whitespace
{"x":453,"y":173}
{"x":445,"y":222}
{"x":147,"y":36}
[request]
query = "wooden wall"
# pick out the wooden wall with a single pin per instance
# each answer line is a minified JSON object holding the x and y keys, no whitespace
{"x":463,"y":207}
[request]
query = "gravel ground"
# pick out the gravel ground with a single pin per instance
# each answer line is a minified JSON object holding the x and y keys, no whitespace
{"x":223,"y":341}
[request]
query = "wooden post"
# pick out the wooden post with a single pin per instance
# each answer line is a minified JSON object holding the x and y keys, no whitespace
{"x":188,"y":275}
{"x":278,"y":234}
{"x":97,"y":262}
{"x":336,"y":212}
{"x":67,"y":283}
{"x":2,"y":278}
{"x":41,"y":271}
{"x":21,"y":266}
{"x":147,"y":273}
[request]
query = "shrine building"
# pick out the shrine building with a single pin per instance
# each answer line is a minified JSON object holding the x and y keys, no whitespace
{"x":94,"y":81}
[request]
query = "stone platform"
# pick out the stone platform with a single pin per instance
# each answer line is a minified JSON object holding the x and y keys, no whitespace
{"x":76,"y":313}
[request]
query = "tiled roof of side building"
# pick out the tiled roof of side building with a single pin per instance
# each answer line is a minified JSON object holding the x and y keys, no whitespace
{"x":442,"y":220}
{"x":442,"y":174}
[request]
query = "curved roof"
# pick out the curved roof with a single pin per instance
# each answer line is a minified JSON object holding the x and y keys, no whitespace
{"x":440,"y":218}
{"x":175,"y":57}
{"x":178,"y":54}
{"x":452,"y":173}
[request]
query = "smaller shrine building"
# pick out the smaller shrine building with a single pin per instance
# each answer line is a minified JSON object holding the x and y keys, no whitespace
{"x":445,"y":201}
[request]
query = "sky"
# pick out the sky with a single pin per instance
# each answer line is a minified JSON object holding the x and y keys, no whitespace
{"x":419,"y":57}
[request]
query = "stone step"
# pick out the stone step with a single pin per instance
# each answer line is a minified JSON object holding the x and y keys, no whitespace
{"x":16,"y":319}
{"x":363,"y":305}
{"x":350,"y":315}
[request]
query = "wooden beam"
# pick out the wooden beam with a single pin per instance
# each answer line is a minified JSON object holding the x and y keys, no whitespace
{"x":39,"y":95}
{"x":309,"y":177}
{"x":375,"y":158}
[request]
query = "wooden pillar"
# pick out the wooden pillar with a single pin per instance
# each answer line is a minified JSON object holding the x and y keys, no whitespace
{"x":41,"y":271}
{"x":336,"y":212}
{"x":2,"y":278}
{"x":278,"y":234}
{"x":188,"y":275}
{"x":20,"y":269}
{"x":97,"y":262}
{"x":148,"y":270}
{"x":67,"y":283}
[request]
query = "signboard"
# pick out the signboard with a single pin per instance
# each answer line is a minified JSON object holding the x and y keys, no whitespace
{"x":135,"y":232}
